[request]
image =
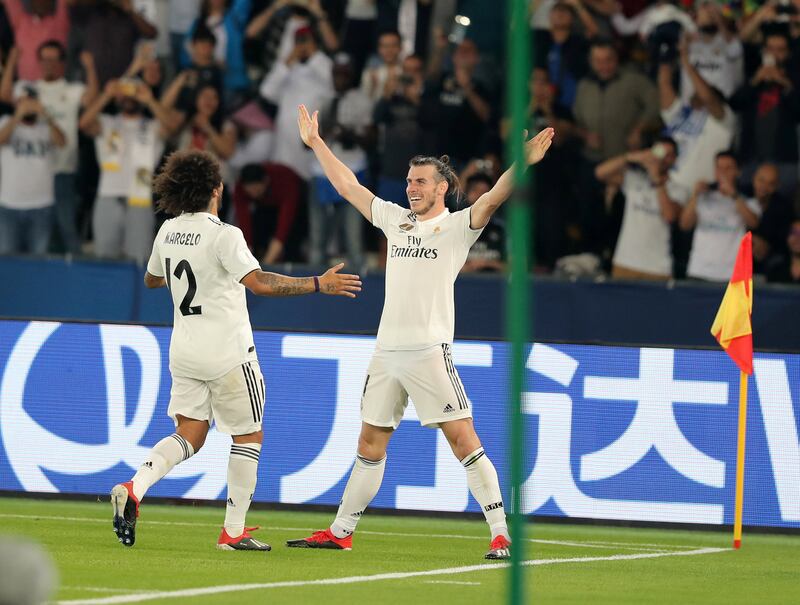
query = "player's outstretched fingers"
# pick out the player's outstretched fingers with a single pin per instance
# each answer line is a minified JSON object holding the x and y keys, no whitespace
{"x":348,"y":284}
{"x":339,"y":284}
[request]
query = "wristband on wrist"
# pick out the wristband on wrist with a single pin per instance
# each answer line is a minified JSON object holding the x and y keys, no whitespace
{"x":316,"y":284}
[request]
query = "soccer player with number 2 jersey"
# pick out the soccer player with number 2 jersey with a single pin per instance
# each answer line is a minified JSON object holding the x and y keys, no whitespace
{"x":427,"y":246}
{"x":216,"y":378}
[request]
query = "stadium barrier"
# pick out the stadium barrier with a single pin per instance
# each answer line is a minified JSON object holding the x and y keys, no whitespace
{"x":599,"y":312}
{"x":615,"y":433}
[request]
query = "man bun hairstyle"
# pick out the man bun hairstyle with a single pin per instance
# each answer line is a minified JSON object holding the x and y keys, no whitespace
{"x":444,"y":172}
{"x":187,"y":182}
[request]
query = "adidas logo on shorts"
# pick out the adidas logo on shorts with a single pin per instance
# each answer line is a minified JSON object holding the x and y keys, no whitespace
{"x":448,"y":408}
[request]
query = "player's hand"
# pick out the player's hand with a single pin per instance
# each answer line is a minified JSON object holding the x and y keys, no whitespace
{"x":308,"y":125}
{"x":700,"y":187}
{"x":538,"y":145}
{"x":339,"y":284}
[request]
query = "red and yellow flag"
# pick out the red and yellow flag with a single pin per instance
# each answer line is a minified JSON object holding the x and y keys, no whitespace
{"x":732,"y":327}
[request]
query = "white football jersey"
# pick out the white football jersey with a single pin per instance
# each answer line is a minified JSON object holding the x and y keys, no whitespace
{"x":422,"y":262}
{"x":203,"y":261}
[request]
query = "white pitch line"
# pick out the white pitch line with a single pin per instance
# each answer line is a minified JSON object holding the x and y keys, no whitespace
{"x":453,"y":582}
{"x":580,"y":544}
{"x":213,"y":590}
{"x":105,"y":589}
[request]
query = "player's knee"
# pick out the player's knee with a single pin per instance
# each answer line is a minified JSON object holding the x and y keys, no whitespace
{"x":257,"y":437}
{"x":462,"y":438}
{"x":197,"y":441}
{"x":370,"y":448}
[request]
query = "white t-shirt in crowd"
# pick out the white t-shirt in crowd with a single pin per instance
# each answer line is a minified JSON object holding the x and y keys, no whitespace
{"x":26,"y":164}
{"x":717,"y":235}
{"x":309,"y":83}
{"x":644,"y":239}
{"x":361,"y":9}
{"x":647,"y":20}
{"x":62,"y":100}
{"x":147,"y":9}
{"x":540,"y":18}
{"x":120,"y":146}
{"x":720,"y":63}
{"x":422,"y":262}
{"x":182,"y":14}
{"x":700,"y":137}
{"x":204,"y":261}
{"x":354,"y":112}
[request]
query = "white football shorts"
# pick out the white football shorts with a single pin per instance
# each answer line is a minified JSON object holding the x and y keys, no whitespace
{"x":235,"y":401}
{"x":428,"y":376}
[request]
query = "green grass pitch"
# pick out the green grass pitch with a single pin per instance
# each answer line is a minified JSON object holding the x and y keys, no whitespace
{"x":395,"y":560}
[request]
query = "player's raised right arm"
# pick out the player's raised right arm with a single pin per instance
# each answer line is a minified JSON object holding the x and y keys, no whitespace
{"x":340,"y":176}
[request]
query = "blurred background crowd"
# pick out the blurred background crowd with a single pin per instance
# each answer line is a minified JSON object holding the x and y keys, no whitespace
{"x":676,"y":124}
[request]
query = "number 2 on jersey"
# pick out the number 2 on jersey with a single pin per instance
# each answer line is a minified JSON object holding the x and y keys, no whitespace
{"x":184,"y":267}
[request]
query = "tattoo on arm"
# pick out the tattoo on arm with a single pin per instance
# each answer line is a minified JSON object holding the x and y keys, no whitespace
{"x":281,"y":285}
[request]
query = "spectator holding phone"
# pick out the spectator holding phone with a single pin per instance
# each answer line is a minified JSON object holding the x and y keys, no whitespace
{"x":128,"y":145}
{"x":719,"y":215}
{"x":28,"y":139}
{"x":769,"y":103}
{"x":652,"y":204}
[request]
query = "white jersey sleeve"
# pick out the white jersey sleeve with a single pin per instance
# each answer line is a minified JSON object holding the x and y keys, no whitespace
{"x":154,"y":266}
{"x":385,"y":213}
{"x":470,"y":235}
{"x":233,"y":253}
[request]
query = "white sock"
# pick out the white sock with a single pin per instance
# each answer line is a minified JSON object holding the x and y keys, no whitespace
{"x":242,"y":470}
{"x":364,"y":482}
{"x":167,"y":453}
{"x":485,"y":488}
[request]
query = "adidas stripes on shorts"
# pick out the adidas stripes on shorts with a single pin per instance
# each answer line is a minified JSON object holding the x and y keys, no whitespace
{"x":234,"y":402}
{"x":428,"y":376}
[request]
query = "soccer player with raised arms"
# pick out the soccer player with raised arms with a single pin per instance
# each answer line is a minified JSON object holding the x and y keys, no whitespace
{"x":206,"y":265}
{"x":427,"y":248}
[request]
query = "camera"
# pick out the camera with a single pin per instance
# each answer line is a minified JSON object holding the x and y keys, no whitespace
{"x":30,"y":91}
{"x":128,"y":86}
{"x":663,"y":42}
{"x":785,"y":9}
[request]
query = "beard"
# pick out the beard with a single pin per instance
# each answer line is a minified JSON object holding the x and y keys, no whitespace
{"x":424,"y":205}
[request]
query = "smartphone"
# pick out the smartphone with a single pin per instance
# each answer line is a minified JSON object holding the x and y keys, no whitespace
{"x":127,"y":87}
{"x":459,"y":29}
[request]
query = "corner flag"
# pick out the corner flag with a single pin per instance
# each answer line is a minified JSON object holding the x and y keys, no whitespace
{"x":734,"y":331}
{"x":732,"y":327}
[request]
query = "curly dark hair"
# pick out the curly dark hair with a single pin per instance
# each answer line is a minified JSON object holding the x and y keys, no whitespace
{"x":187,"y":182}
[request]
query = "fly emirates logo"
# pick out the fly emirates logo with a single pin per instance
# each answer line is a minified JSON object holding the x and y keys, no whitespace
{"x":413,"y":249}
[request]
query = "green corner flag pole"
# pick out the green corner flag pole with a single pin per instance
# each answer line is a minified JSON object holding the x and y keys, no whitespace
{"x":517,"y":312}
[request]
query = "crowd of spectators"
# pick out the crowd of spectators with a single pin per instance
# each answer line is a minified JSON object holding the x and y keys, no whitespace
{"x":676,"y":124}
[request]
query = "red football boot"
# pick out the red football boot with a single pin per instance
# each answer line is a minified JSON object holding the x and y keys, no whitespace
{"x":322,"y":539}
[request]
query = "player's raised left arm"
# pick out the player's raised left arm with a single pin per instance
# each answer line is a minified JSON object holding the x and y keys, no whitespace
{"x":486,"y":205}
{"x":340,"y":176}
{"x":331,"y":282}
